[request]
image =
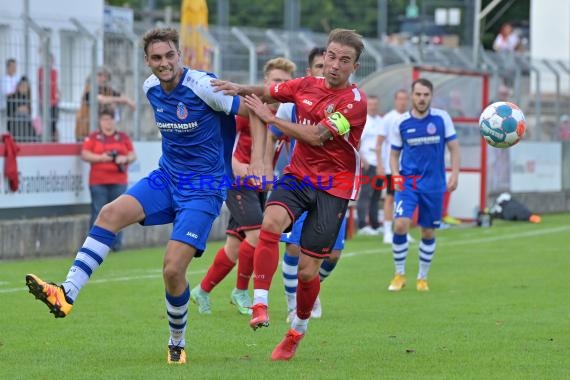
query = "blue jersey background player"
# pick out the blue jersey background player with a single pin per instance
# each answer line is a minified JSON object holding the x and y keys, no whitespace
{"x":418,"y":154}
{"x":292,"y":239}
{"x":186,"y":190}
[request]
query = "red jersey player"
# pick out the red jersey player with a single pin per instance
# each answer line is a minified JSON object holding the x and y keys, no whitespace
{"x":321,"y":178}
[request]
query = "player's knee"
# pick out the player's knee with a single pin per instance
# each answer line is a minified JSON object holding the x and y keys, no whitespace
{"x":334,"y":256}
{"x":400,"y":227}
{"x":170,"y":273}
{"x":232,"y":247}
{"x":293,"y":250}
{"x":109,"y":214}
{"x":428,"y":233}
{"x":252,"y":237}
{"x":307,"y":274}
{"x":272,"y":224}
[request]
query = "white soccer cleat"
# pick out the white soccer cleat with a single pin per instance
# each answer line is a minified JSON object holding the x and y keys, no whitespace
{"x":317,"y":311}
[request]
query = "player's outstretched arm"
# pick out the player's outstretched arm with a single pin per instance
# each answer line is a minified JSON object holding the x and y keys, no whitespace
{"x":311,"y":134}
{"x":233,"y":89}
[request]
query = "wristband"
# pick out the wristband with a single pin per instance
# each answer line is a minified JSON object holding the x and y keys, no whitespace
{"x":340,"y":122}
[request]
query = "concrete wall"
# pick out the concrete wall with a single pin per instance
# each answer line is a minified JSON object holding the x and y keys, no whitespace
{"x":62,"y":236}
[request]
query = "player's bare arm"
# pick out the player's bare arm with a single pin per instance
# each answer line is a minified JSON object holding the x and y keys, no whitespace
{"x":239,"y":168}
{"x":379,"y":167}
{"x":233,"y":89}
{"x":453,"y":180}
{"x":258,"y":143}
{"x":395,"y":168}
{"x":315,"y":135}
{"x":243,"y":110}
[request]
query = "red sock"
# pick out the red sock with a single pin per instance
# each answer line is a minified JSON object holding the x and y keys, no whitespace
{"x":265,"y":259}
{"x":245,"y":265}
{"x":219,"y":269}
{"x":307,"y":292}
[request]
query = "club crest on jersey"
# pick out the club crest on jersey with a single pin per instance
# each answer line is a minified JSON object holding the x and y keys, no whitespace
{"x":431,"y":129}
{"x":181,"y":111}
{"x":329,"y":109}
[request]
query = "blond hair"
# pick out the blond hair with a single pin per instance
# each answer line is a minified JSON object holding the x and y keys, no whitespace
{"x":279,"y":63}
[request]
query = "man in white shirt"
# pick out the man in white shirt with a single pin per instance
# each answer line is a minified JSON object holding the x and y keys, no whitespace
{"x":389,"y":121}
{"x":367,"y":205}
{"x":8,"y":83}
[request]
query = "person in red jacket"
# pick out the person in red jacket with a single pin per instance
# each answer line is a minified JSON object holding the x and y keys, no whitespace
{"x":54,"y":95}
{"x":109,"y":152}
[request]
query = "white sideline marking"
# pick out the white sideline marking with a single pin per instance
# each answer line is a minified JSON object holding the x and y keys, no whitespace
{"x":383,"y":249}
{"x":110,"y":279}
{"x":388,"y":249}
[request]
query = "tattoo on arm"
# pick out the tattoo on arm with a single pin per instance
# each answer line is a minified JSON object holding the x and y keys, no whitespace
{"x":324,"y":133}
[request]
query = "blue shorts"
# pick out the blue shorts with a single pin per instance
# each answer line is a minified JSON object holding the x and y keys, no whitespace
{"x":294,"y":236}
{"x":191,"y":212}
{"x":430,"y":206}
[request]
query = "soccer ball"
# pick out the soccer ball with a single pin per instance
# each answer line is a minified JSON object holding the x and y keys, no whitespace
{"x":502,"y":124}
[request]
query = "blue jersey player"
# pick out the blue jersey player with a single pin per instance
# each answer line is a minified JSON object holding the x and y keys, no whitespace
{"x":417,"y":160}
{"x":186,"y":190}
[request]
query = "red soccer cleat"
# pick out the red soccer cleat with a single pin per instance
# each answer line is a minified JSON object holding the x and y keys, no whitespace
{"x":259,"y":316}
{"x":286,"y":349}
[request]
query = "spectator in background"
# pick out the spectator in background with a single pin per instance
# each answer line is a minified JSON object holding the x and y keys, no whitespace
{"x":564,"y":133}
{"x":7,"y":87}
{"x":503,"y":93}
{"x":455,"y":107}
{"x":106,"y":96}
{"x":507,"y":40}
{"x":54,"y":96}
{"x":109,"y":152}
{"x":383,"y":144}
{"x":19,"y":112}
{"x":367,"y":205}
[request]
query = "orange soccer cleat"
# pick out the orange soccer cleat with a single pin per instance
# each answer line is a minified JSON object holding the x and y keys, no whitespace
{"x":51,"y":294}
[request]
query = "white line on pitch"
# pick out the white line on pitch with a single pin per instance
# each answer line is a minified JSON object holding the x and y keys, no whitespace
{"x":384,"y":249}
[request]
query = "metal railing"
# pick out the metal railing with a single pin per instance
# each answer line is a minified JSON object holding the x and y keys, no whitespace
{"x":540,"y":87}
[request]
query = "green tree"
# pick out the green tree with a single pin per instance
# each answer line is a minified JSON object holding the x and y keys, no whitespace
{"x":362,"y":15}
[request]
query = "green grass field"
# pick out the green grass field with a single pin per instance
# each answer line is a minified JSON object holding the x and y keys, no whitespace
{"x":498,"y":308}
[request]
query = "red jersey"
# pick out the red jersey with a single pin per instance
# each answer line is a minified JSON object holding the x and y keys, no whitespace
{"x":108,"y":173}
{"x":52,"y":85}
{"x":335,"y":166}
{"x":242,"y":146}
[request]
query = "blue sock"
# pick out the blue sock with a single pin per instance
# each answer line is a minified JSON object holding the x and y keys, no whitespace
{"x":326,"y":268}
{"x":88,"y":259}
{"x":290,"y":266}
{"x":400,"y":252}
{"x":177,"y":312}
{"x":427,"y":249}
